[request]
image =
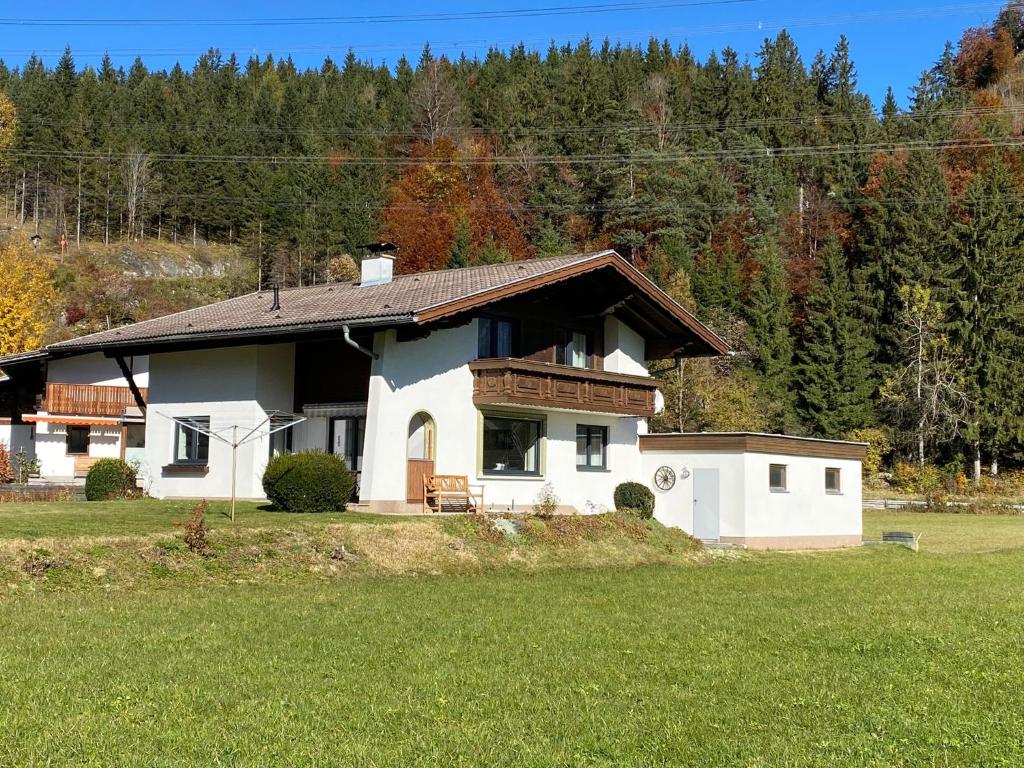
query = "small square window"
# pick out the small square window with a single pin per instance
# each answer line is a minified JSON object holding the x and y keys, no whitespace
{"x":777,"y":477}
{"x":78,"y":441}
{"x":833,"y":480}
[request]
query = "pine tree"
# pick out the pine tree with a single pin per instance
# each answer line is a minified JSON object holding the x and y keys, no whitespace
{"x":770,"y":316}
{"x":834,"y":376}
{"x":986,"y":300}
{"x":460,"y":254}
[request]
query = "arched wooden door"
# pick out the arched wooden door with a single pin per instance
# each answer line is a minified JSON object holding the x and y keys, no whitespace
{"x":419,"y":454}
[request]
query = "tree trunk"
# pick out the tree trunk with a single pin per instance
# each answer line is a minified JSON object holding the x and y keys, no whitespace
{"x":993,"y":468}
{"x":78,"y":214}
{"x":35,"y":208}
{"x":21,"y":220}
{"x":977,"y":462}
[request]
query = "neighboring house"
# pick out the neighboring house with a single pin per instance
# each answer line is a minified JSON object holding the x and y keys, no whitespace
{"x":515,"y":375}
{"x":86,"y":411}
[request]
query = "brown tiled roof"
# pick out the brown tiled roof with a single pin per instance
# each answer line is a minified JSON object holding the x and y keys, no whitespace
{"x":420,"y":298}
{"x":328,"y":305}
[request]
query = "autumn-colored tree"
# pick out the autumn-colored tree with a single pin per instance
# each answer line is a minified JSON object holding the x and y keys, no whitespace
{"x":985,"y":55}
{"x":6,"y":471}
{"x":8,"y":124}
{"x":442,"y":186}
{"x":343,"y":269}
{"x":27,"y":298}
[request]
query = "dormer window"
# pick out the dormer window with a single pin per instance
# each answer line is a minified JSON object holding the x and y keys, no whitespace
{"x":495,"y":337}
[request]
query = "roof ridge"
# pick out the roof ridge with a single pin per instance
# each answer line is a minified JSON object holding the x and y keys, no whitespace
{"x":455,"y":270}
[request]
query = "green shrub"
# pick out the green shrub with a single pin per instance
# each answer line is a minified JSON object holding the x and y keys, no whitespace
{"x":914,"y":479}
{"x":637,"y":497}
{"x":308,"y":482}
{"x":879,"y":446}
{"x":110,"y":479}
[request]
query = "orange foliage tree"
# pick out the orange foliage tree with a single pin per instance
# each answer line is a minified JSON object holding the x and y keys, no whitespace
{"x":27,"y":298}
{"x":439,"y":188}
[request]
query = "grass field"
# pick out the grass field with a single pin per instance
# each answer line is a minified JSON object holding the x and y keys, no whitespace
{"x":877,"y":657}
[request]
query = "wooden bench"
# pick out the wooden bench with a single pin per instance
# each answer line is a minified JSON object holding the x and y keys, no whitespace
{"x":903,"y":538}
{"x":83,"y":464}
{"x":443,"y":492}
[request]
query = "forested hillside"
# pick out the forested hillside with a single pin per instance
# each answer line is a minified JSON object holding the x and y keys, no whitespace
{"x":866,"y":265}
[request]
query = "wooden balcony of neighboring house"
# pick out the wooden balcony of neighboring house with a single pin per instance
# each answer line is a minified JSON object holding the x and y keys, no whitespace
{"x":510,"y":381}
{"x":89,"y":400}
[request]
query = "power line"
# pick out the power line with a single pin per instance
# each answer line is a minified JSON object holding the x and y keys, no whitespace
{"x":650,"y":158}
{"x":897,"y":15}
{"x":870,"y":117}
{"x":286,"y":21}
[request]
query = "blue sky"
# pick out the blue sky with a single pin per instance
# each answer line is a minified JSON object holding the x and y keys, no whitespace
{"x":891,"y":42}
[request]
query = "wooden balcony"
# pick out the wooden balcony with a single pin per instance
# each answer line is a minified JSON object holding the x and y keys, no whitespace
{"x":545,"y":385}
{"x":88,"y":399}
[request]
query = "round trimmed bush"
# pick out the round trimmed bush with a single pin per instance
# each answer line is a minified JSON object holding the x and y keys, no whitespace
{"x":637,"y":497}
{"x":110,"y":479}
{"x":313,"y":481}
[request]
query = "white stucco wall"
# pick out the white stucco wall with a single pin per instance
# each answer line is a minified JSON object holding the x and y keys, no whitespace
{"x":235,"y":385}
{"x":97,"y":369}
{"x":50,"y":444}
{"x":804,"y":509}
{"x":624,"y":348}
{"x":16,"y":437}
{"x":431,"y":375}
{"x":52,"y":450}
{"x":675,"y":507}
{"x":750,"y":510}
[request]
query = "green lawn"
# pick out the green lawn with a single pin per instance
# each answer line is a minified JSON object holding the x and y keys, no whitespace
{"x":878,"y":657}
{"x":35,"y":520}
{"x":950,"y":533}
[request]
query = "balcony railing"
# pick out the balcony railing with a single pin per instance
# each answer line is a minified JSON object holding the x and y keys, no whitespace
{"x":88,"y":399}
{"x":508,"y":381}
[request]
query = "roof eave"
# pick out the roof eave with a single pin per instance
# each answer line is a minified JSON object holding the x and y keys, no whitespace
{"x":209,"y":339}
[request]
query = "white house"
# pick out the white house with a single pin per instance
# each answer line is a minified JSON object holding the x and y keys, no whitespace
{"x":514,"y":375}
{"x":85,"y":411}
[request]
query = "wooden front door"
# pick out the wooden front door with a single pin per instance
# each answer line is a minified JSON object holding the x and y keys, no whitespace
{"x":417,"y":470}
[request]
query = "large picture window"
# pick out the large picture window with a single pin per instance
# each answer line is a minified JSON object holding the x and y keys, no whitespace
{"x":190,"y":446}
{"x":511,"y":446}
{"x":591,"y":447}
{"x":495,"y":338}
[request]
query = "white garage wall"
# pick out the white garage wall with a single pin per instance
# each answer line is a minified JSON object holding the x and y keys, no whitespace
{"x":804,"y":509}
{"x":675,"y":507}
{"x":750,"y":513}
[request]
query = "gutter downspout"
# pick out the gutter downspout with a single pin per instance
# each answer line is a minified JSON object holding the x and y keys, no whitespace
{"x":356,"y":345}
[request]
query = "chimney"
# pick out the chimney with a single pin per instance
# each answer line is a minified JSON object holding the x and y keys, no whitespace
{"x":378,"y":267}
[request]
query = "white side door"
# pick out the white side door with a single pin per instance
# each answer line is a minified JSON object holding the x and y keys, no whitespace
{"x":706,"y":514}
